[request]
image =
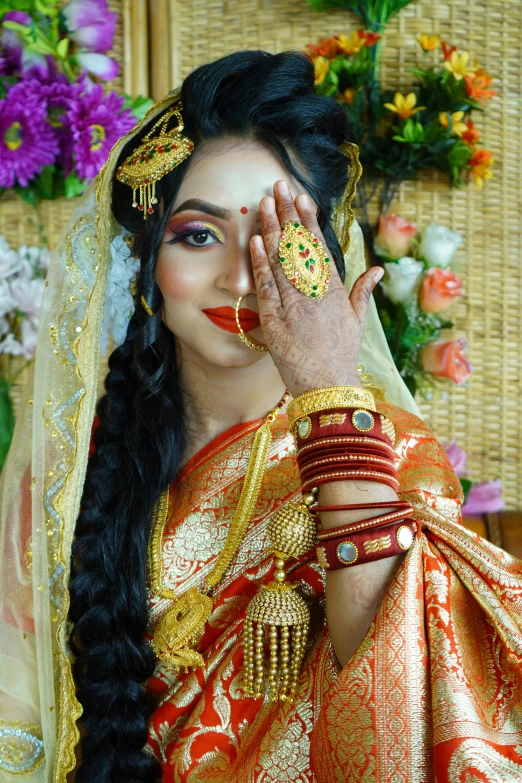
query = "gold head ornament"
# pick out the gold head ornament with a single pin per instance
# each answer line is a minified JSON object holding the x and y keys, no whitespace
{"x":155,"y":157}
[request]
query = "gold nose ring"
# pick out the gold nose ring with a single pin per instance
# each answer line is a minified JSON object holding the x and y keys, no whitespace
{"x":248,"y":341}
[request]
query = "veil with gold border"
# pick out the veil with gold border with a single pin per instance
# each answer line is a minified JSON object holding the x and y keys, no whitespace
{"x":42,"y":482}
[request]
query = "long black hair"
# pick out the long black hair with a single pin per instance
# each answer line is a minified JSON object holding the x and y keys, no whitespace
{"x":140,"y":439}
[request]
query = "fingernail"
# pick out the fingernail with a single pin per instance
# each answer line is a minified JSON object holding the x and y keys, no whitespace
{"x":268,"y":205}
{"x":377,"y":275}
{"x":303,"y":201}
{"x":257,"y":242}
{"x":283,"y":188}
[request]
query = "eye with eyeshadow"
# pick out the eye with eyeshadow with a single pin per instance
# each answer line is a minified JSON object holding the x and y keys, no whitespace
{"x":197,"y":234}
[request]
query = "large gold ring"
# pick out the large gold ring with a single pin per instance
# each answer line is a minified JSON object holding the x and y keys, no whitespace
{"x":248,"y":341}
{"x":304,"y":260}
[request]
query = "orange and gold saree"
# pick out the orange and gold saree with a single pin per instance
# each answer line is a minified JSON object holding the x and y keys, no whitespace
{"x":434,"y":692}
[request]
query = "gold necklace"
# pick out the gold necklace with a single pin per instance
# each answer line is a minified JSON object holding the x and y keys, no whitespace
{"x":182,"y":625}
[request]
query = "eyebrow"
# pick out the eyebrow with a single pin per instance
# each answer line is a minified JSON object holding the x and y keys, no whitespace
{"x":205,"y":206}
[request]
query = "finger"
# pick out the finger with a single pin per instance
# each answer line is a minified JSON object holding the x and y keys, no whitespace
{"x":285,"y":206}
{"x":308,"y":218}
{"x":266,"y":286}
{"x":362,"y":291}
{"x":271,"y":230}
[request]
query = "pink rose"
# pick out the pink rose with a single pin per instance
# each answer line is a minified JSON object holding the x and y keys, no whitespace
{"x":457,"y":457}
{"x":447,"y":360}
{"x":394,"y":237}
{"x":439,"y":288}
{"x":484,"y":499}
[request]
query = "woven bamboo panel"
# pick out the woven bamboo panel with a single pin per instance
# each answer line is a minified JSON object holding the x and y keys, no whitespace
{"x":485,"y":414}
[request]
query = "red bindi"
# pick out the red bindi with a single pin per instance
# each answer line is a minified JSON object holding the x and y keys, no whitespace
{"x":243,"y":210}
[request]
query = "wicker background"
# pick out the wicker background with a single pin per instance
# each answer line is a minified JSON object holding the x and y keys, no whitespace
{"x":485,"y":414}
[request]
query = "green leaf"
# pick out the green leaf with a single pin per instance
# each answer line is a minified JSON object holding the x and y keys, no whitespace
{"x":7,"y":420}
{"x":74,"y":186}
{"x":466,"y":485}
{"x":62,"y":48}
{"x":139,"y":106}
{"x":22,"y":30}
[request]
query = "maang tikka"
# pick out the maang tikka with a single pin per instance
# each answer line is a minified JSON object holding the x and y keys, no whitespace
{"x":155,"y":157}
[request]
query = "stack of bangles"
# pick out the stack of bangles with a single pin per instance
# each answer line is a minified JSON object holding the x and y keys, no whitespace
{"x":340,"y":437}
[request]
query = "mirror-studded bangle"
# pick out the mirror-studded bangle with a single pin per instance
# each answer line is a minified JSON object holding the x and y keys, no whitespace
{"x":344,"y":421}
{"x":364,"y":524}
{"x":366,"y":546}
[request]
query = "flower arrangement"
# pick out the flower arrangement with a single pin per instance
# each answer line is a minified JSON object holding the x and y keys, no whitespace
{"x":57,"y":124}
{"x":399,"y":135}
{"x":412,"y":299}
{"x":483,"y":498}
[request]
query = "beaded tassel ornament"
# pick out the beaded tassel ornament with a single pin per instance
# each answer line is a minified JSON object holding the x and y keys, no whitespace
{"x":155,"y":157}
{"x":280,"y":612}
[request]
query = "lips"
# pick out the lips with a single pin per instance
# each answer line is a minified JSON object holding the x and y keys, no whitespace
{"x":225,"y":318}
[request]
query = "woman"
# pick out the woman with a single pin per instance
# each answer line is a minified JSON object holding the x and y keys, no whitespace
{"x":409,"y":669}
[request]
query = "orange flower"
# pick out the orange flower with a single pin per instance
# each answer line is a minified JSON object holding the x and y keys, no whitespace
{"x":350,"y":45}
{"x":439,"y":288}
{"x":457,"y":64}
{"x":457,"y":126}
{"x":478,"y":85}
{"x":447,"y":360}
{"x":471,"y":135}
{"x":321,"y":67}
{"x":348,"y":95}
{"x":403,"y":105}
{"x":429,"y":42}
{"x":480,"y":163}
{"x":370,"y":39}
{"x":447,"y":50}
{"x":326,"y":47}
{"x":395,"y":235}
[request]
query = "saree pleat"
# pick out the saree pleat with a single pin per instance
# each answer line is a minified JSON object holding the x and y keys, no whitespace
{"x":434,"y":691}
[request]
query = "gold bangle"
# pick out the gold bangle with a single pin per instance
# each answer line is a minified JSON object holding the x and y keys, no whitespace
{"x":329,"y":397}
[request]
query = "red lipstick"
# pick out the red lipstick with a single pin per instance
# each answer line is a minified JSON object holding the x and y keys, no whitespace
{"x":225,"y":318}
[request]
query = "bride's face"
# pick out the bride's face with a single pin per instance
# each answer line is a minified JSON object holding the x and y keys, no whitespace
{"x":204,"y":263}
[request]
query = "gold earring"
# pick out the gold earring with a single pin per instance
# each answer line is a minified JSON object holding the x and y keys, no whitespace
{"x":146,"y":306}
{"x":248,"y":341}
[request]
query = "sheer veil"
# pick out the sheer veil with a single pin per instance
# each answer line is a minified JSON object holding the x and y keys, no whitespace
{"x":42,"y":482}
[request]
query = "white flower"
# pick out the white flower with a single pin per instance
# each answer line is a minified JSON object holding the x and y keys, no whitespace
{"x":28,"y":294}
{"x":4,"y":326}
{"x":12,"y":346}
{"x":401,"y":278}
{"x":119,"y":304}
{"x":29,"y":334}
{"x":9,"y":260}
{"x":7,"y":301}
{"x":34,"y":261}
{"x":438,"y":244}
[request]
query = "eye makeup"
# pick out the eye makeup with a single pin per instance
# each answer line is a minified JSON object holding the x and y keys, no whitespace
{"x":183,"y":230}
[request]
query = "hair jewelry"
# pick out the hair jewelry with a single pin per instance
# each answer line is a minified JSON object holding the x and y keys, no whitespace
{"x":146,"y":306}
{"x":304,"y":260}
{"x":155,"y":157}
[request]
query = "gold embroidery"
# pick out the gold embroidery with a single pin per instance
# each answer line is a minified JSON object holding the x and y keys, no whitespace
{"x":321,"y":557}
{"x":21,"y":747}
{"x":331,"y":418}
{"x":376,"y":544}
{"x":473,"y":756}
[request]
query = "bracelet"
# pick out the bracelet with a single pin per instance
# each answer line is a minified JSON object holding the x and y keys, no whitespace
{"x":365,"y":547}
{"x":329,"y":397}
{"x":350,"y":475}
{"x":344,"y":420}
{"x":360,"y":506}
{"x":364,"y":524}
{"x":354,"y":442}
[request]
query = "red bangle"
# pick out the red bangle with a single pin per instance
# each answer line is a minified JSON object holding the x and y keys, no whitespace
{"x":360,"y":506}
{"x":349,"y":461}
{"x":364,"y":524}
{"x":355,"y":442}
{"x":365,"y":547}
{"x":343,"y":421}
{"x":350,"y":475}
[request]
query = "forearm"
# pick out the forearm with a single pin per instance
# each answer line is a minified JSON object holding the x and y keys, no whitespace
{"x":354,"y":594}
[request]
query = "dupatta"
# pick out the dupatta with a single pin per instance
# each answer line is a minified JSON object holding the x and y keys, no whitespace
{"x":434,"y":691}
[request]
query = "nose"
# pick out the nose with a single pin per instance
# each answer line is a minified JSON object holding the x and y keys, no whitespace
{"x":236,"y":276}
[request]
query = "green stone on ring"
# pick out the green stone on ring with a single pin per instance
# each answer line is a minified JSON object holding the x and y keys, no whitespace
{"x":282,"y":260}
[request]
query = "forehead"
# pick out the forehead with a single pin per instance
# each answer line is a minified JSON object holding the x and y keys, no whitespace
{"x":233,"y":173}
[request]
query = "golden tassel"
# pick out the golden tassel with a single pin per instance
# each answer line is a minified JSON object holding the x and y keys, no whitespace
{"x":278,"y":610}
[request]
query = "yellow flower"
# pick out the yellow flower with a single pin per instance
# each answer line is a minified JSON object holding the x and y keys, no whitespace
{"x":348,"y":95}
{"x":480,"y":164}
{"x":457,"y":126}
{"x":350,"y":45}
{"x":403,"y":105}
{"x":458,"y":65}
{"x":321,"y":66}
{"x":429,"y":42}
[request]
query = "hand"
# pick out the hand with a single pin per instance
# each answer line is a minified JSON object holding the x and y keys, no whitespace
{"x":313,"y":343}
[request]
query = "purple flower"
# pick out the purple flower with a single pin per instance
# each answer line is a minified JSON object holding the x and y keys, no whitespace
{"x":97,"y":122}
{"x":90,"y":24}
{"x":57,"y":97}
{"x":457,"y":457}
{"x":27,"y":142}
{"x":484,"y":498}
{"x":16,"y":58}
{"x":98,"y":64}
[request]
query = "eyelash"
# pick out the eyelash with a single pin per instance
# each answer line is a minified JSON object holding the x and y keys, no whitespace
{"x":182,"y":236}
